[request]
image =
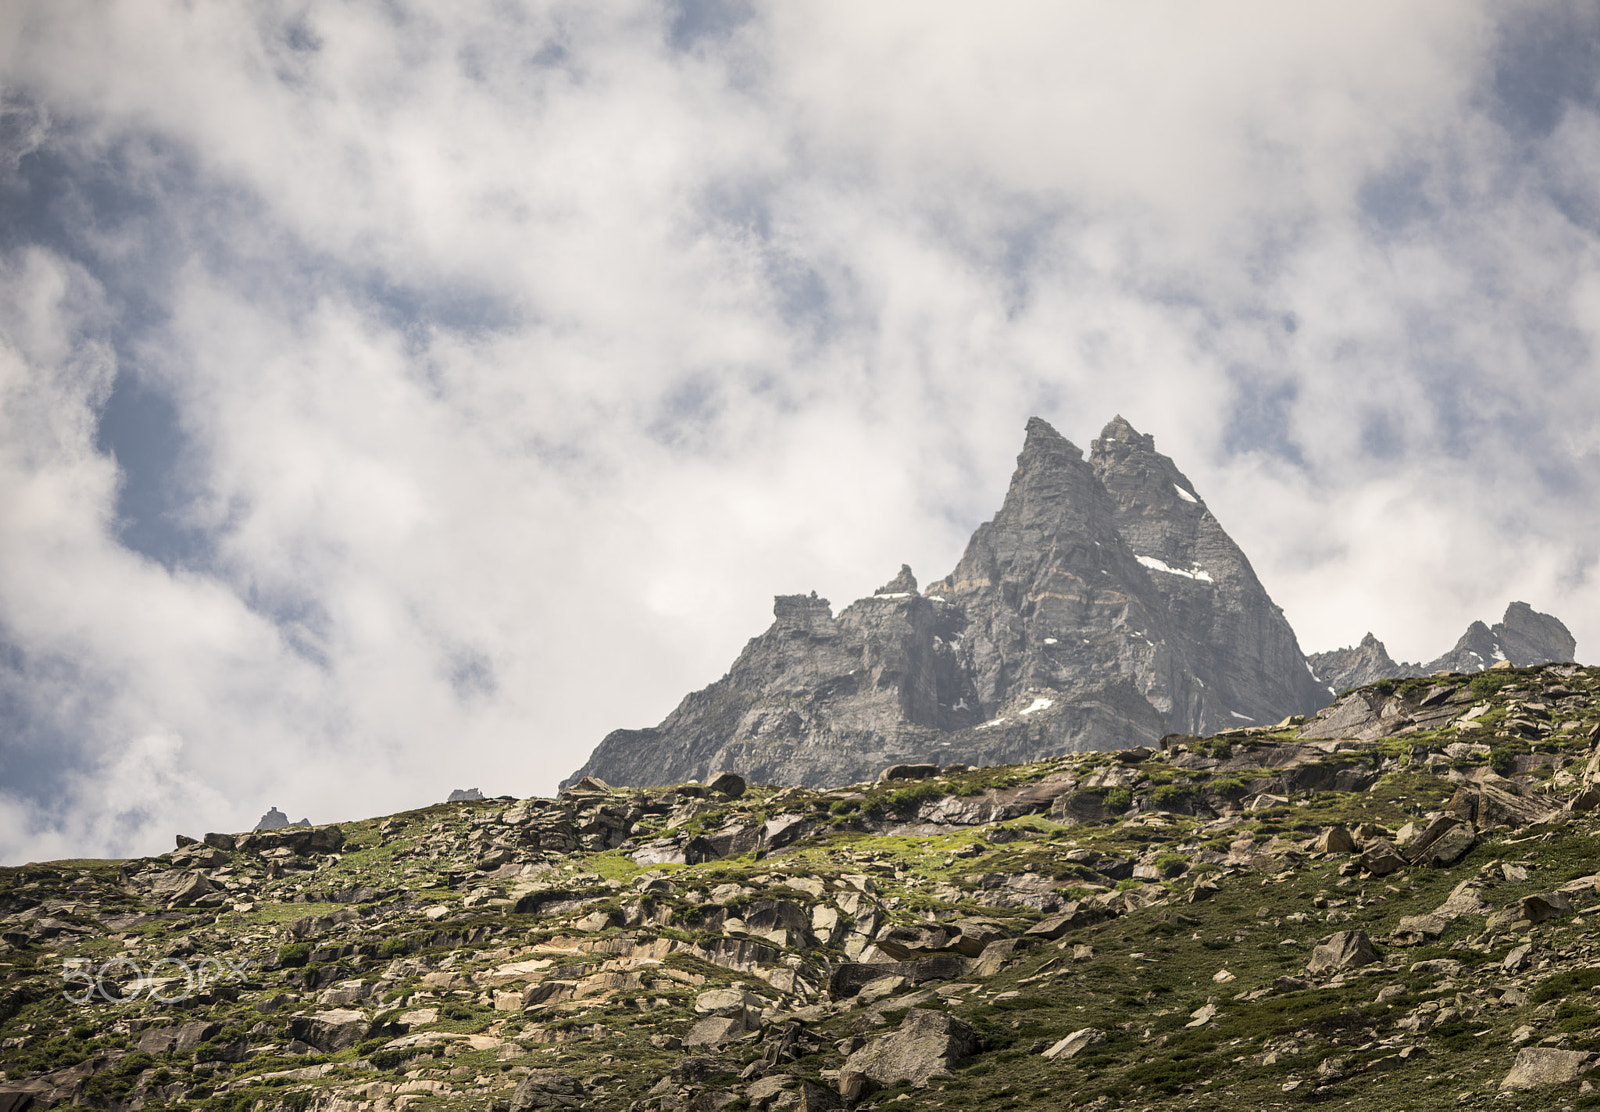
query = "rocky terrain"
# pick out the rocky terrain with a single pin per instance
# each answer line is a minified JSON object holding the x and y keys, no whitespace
{"x":1103,"y":607}
{"x":1392,"y":904}
{"x":1524,"y":637}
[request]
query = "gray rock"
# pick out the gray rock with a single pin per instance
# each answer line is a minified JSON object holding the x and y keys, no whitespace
{"x":926,"y":1044}
{"x":1341,"y":951}
{"x":1075,"y":1043}
{"x":1443,"y":842}
{"x":1537,"y":1066}
{"x":546,"y":1089}
{"x":330,"y":1031}
{"x":1537,"y":908}
{"x":181,"y":888}
{"x":1487,"y":804}
{"x":909,"y":772}
{"x":730,"y":784}
{"x":465,"y":795}
{"x":714,"y":1031}
{"x":1380,"y":858}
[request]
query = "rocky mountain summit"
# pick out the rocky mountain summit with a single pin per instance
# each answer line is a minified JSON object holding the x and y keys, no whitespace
{"x":1524,"y":637}
{"x":1103,"y":606}
{"x":1393,"y":904}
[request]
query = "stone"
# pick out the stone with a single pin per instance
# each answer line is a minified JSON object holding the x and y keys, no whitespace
{"x":977,"y":933}
{"x":1341,"y":951}
{"x":1380,"y":858}
{"x":1537,"y":1066}
{"x":729,"y":784}
{"x":727,"y":1002}
{"x":1075,"y":916}
{"x":714,"y":1031}
{"x":542,"y":1088}
{"x":1487,"y":804}
{"x":1335,"y":840}
{"x":1413,"y":930}
{"x":180,"y":888}
{"x":1073,"y":1044}
{"x":926,"y":1044}
{"x":1537,"y":908}
{"x":274,"y":819}
{"x":1443,"y":842}
{"x":1517,"y":960}
{"x":909,"y":772}
{"x":465,"y":795}
{"x":330,"y":1031}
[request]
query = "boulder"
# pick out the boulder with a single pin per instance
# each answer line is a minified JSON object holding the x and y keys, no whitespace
{"x":302,"y":841}
{"x":1336,"y":840}
{"x":1532,"y":909}
{"x":1341,"y":951}
{"x":909,"y":772}
{"x":1443,"y":842}
{"x":730,"y":784}
{"x":714,"y":1031}
{"x":546,"y":1089}
{"x":330,"y":1031}
{"x":977,"y":933}
{"x":730,"y":1003}
{"x":1537,"y":1066}
{"x":1075,"y":916}
{"x":926,"y":1044}
{"x":181,"y":888}
{"x":1487,"y":804}
{"x":902,"y":942}
{"x":1414,"y":930}
{"x":1075,"y":1042}
{"x":1380,"y":858}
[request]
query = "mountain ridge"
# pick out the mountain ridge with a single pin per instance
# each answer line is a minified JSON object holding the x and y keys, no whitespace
{"x":1102,"y":606}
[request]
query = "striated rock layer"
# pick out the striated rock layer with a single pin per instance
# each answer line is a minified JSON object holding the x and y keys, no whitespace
{"x":1102,"y":607}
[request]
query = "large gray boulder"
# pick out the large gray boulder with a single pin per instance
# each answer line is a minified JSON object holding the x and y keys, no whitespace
{"x":1341,"y":951}
{"x":926,"y":1043}
{"x":1538,"y":1066}
{"x":547,"y":1089}
{"x":330,"y":1031}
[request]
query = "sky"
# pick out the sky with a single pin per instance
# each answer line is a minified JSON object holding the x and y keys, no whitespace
{"x":398,"y":396}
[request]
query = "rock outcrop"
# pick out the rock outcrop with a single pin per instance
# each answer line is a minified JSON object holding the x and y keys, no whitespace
{"x":1103,"y":607}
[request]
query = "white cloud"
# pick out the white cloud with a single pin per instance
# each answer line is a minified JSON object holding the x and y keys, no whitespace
{"x":521,"y":357}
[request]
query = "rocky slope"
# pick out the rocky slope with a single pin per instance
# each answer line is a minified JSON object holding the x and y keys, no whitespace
{"x":1103,"y":606}
{"x":1393,"y":904}
{"x":1524,"y":637}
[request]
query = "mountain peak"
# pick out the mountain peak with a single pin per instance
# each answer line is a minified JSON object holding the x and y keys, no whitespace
{"x":1119,"y":428}
{"x":1043,"y":443}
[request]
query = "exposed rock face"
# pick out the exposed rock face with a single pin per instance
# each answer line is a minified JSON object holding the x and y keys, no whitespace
{"x":1524,"y":637}
{"x":1101,"y":608}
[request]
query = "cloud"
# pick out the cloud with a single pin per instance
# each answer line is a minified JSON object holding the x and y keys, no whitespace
{"x":398,"y":397}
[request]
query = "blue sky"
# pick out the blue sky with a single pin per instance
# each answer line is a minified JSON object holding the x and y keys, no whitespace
{"x":397,"y":397}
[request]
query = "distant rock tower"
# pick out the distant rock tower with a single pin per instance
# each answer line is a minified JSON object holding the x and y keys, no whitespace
{"x":274,"y":819}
